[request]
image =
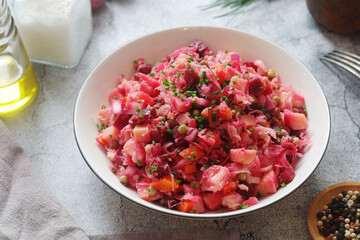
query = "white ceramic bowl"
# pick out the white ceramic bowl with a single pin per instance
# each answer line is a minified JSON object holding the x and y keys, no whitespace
{"x":95,"y":90}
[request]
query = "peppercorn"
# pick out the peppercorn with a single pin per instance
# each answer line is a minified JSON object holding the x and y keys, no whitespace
{"x":340,"y":236}
{"x":319,"y":214}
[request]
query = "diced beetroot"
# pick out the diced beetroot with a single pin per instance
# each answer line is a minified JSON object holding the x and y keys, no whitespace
{"x":213,"y":200}
{"x":232,"y":200}
{"x":242,"y":155}
{"x":199,"y":47}
{"x":190,"y":77}
{"x":135,"y":150}
{"x":215,"y":178}
{"x":268,"y":184}
{"x":256,"y":86}
{"x":250,"y":64}
{"x":144,"y":68}
{"x":296,"y":121}
{"x":192,"y":123}
{"x":251,"y":201}
{"x":142,"y":133}
{"x":121,"y":120}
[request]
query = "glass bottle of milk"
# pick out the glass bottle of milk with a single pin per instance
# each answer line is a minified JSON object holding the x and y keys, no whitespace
{"x":54,"y":32}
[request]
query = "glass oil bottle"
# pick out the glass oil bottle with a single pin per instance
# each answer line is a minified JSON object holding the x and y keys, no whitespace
{"x":18,"y":83}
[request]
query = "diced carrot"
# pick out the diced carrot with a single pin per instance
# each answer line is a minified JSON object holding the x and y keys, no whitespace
{"x":215,"y":137}
{"x":186,"y":206}
{"x":165,"y":184}
{"x":148,"y":100}
{"x":231,"y":186}
{"x":190,"y":168}
{"x":266,"y":124}
{"x":192,"y":152}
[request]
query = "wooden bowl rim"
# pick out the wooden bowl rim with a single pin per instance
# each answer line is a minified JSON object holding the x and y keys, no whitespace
{"x":322,"y":198}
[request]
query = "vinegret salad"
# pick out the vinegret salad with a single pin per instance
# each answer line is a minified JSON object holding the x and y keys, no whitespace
{"x":199,"y":130}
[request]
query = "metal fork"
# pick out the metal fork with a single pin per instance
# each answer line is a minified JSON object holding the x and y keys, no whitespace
{"x":349,"y":61}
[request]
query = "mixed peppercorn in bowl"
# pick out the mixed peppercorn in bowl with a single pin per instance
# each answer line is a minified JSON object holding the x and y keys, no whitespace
{"x":208,"y":129}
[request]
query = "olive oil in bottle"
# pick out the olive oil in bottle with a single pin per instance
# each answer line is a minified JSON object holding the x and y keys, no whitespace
{"x":18,"y":84}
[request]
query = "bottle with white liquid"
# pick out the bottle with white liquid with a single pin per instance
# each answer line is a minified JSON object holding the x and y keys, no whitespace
{"x":54,"y":32}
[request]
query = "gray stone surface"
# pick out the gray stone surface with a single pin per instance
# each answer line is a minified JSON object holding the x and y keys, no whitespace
{"x":45,"y":128}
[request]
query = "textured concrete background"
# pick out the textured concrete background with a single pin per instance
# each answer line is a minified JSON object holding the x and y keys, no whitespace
{"x":45,"y":129}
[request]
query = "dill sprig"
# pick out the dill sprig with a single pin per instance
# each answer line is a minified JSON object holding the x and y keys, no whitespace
{"x":234,"y":6}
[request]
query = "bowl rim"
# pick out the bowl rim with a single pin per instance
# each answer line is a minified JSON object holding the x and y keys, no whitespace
{"x":227,"y":214}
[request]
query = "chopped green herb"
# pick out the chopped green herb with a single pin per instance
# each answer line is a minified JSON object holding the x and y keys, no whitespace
{"x":138,"y":161}
{"x":172,"y":66}
{"x":250,"y":129}
{"x":154,"y":168}
{"x":152,"y":74}
{"x":110,"y":136}
{"x":138,"y":109}
{"x":207,"y":135}
{"x":114,"y":97}
{"x":193,"y":211}
{"x":169,"y":131}
{"x":226,"y":51}
{"x":243,"y":206}
{"x":163,"y":72}
{"x":178,"y":181}
{"x":206,"y":166}
{"x":213,"y":117}
{"x":158,"y":128}
{"x":114,"y":170}
{"x":135,"y":62}
{"x":261,"y":87}
{"x":246,"y":72}
{"x":153,"y":142}
{"x":188,"y":157}
{"x":138,"y":101}
{"x":149,"y":171}
{"x":103,"y":107}
{"x":139,"y":178}
{"x":192,"y":193}
{"x":174,"y":174}
{"x":166,"y":82}
{"x":283,"y":185}
{"x":141,"y":116}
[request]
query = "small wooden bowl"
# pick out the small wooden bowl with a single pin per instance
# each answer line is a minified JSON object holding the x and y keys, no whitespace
{"x":323,"y":198}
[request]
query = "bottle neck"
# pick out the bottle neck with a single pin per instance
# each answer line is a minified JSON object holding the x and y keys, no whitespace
{"x":7,"y":25}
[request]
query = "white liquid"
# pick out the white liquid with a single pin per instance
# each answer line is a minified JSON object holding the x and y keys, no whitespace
{"x":55,"y":31}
